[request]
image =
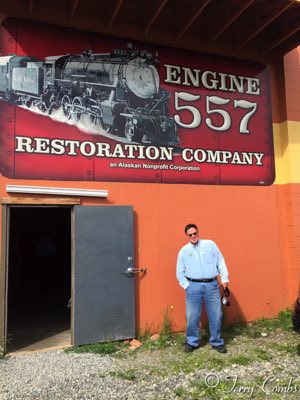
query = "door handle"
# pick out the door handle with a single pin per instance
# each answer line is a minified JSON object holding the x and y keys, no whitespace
{"x":131,"y":270}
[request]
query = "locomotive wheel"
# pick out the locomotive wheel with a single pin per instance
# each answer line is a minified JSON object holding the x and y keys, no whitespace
{"x":90,"y":120}
{"x":77,"y":109}
{"x":104,"y":127}
{"x":93,"y":119}
{"x":41,"y":106}
{"x":8,"y":95}
{"x":66,"y":105}
{"x":26,"y":101}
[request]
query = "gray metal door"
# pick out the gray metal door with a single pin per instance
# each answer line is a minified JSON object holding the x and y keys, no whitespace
{"x":103,"y":296}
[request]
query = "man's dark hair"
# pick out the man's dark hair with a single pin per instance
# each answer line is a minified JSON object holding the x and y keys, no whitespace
{"x":189,"y":226}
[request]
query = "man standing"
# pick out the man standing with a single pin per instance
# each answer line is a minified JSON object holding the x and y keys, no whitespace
{"x":198,"y":265}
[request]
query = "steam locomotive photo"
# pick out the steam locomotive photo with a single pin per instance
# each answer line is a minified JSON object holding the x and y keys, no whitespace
{"x":118,"y":92}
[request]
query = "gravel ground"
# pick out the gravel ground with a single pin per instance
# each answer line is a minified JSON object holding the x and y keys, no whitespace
{"x":263,"y":367}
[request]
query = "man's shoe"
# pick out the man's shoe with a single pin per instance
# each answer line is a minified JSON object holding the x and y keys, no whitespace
{"x":188,"y":348}
{"x":220,"y":349}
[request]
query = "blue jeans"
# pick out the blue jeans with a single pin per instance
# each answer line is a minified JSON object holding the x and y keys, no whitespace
{"x":195,"y":294}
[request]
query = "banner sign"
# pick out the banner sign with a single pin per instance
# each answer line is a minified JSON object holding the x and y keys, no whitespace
{"x":82,"y":106}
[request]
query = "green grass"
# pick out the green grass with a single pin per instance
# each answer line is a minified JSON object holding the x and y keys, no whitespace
{"x":172,"y":360}
{"x":165,"y":338}
{"x":168,"y":339}
{"x":165,"y":335}
{"x":254,"y":329}
{"x":284,"y":322}
{"x":190,"y":362}
{"x":187,"y":363}
{"x":130,"y":374}
{"x":225,"y":389}
{"x":2,"y":354}
{"x":262,"y":355}
{"x":180,"y":392}
{"x":291,"y":349}
{"x":99,"y":348}
{"x":241,"y":359}
{"x":232,"y":388}
{"x":229,"y":332}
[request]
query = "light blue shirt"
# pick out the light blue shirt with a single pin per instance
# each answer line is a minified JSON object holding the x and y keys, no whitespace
{"x":202,"y":261}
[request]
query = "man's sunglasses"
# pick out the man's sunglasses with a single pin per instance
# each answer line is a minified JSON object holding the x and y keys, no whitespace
{"x":193,"y":234}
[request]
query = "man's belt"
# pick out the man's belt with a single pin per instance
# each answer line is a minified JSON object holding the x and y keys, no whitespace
{"x":202,"y":280}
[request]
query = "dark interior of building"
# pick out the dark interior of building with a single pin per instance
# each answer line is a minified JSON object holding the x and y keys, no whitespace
{"x":39,"y":277}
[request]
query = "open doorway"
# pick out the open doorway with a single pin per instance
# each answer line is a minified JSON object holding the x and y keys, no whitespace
{"x":39,"y":277}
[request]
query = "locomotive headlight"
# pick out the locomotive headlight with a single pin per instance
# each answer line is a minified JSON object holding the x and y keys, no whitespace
{"x":141,"y":78}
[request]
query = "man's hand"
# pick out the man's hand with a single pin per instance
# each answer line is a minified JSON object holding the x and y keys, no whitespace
{"x":224,"y":284}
